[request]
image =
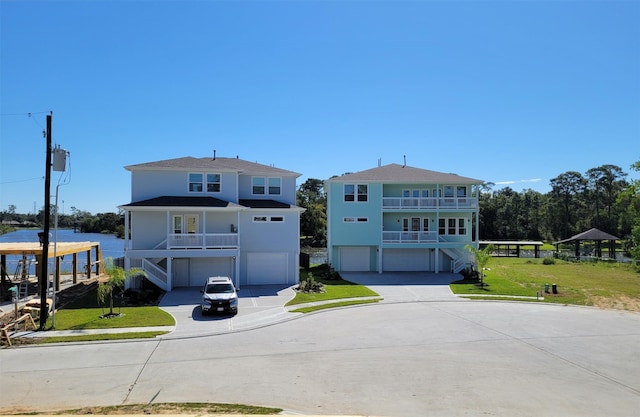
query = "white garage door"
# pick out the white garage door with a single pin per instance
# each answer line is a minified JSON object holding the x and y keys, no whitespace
{"x":266,"y":268}
{"x":355,"y":259}
{"x":405,"y":260}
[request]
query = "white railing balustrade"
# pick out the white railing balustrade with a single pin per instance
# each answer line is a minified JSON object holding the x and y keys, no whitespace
{"x":202,"y":240}
{"x":413,"y":203}
{"x":155,"y":270}
{"x":409,"y":237}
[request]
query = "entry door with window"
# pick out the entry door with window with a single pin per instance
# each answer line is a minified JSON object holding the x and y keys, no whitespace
{"x":411,"y":228}
{"x":186,"y":228}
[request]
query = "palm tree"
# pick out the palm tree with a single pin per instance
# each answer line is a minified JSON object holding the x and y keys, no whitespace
{"x":482,"y":258}
{"x":116,"y":281}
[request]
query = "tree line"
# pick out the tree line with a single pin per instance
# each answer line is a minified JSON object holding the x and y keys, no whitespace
{"x":82,"y":221}
{"x":601,"y":198}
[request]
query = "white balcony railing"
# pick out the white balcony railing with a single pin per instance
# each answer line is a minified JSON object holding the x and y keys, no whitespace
{"x":413,"y":203}
{"x":409,"y":237}
{"x":202,"y":240}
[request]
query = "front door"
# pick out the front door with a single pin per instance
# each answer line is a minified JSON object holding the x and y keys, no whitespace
{"x":180,"y":272}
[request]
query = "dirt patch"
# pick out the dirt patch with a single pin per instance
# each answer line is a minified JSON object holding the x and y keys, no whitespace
{"x":161,"y":408}
{"x":621,"y":302}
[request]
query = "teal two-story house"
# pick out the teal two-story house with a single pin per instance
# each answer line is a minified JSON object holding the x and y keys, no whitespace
{"x":400,"y":218}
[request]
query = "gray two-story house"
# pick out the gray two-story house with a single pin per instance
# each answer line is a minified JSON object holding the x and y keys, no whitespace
{"x":192,"y":218}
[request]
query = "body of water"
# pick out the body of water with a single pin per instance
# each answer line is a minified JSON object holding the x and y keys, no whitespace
{"x":110,"y":245}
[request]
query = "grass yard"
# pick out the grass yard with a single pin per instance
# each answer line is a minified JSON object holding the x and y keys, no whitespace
{"x":334,"y":289}
{"x":600,"y":284}
{"x":84,"y":313}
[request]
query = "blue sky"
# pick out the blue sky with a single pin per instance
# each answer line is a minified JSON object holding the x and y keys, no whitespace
{"x":511,"y":92}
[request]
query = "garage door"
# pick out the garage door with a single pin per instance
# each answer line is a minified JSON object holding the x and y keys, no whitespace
{"x":405,"y":260}
{"x":192,"y":272}
{"x":265,"y":268}
{"x":355,"y":259}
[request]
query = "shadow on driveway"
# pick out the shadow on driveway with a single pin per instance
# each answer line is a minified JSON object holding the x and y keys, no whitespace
{"x":407,"y":286}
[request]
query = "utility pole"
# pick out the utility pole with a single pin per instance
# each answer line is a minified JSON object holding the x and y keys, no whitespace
{"x":44,"y":273}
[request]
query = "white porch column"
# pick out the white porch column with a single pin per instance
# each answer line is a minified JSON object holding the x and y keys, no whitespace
{"x":169,"y":273}
{"x":379,"y":252}
{"x":127,"y":240}
{"x":236,"y":266}
{"x":437,"y":260}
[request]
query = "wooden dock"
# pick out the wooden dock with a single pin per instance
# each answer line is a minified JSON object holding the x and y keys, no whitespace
{"x":94,"y":260}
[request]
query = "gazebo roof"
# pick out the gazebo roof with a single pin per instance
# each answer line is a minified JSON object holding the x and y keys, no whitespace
{"x":591,"y":234}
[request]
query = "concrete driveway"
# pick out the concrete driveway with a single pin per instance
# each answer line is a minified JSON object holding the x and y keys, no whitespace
{"x":264,"y":305}
{"x":397,"y":287}
{"x":257,"y":306}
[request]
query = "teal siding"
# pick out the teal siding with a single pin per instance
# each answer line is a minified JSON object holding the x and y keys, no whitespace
{"x":356,"y":233}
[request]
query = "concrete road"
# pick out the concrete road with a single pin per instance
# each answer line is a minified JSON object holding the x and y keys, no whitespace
{"x":444,"y":358}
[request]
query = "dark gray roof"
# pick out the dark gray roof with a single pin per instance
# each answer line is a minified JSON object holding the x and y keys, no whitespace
{"x":180,"y":201}
{"x":591,"y":234}
{"x":264,"y":204}
{"x":394,"y":173}
{"x":210,"y":164}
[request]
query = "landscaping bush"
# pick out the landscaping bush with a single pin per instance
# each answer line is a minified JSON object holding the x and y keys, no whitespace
{"x":548,"y":261}
{"x":310,"y":285}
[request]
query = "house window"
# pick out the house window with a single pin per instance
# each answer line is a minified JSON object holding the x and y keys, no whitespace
{"x":274,"y":186}
{"x":355,"y":219}
{"x":258,"y":185}
{"x":259,"y":219}
{"x":277,"y":219}
{"x":195,"y":182}
{"x":425,"y":224}
{"x":264,"y":185}
{"x":452,"y":226}
{"x":363,"y":192}
{"x":448,"y":191}
{"x":177,"y":224}
{"x":462,"y":230}
{"x":349,"y":192}
{"x":451,"y":230}
{"x":461,"y":191}
{"x":351,"y":189}
{"x":213,"y":183}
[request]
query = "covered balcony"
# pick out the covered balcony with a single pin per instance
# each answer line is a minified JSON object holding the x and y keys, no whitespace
{"x":409,"y":237}
{"x":429,"y":203}
{"x":202,"y":240}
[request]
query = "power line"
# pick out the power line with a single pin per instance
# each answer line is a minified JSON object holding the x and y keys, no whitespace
{"x":17,"y":181}
{"x":28,"y":114}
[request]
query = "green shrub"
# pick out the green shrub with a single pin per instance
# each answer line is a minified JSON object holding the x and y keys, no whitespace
{"x":548,"y":260}
{"x":309,"y":284}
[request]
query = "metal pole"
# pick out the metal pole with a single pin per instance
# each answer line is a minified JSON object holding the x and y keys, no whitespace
{"x":44,"y":274}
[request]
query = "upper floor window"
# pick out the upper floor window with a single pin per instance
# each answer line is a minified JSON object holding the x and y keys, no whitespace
{"x":257,"y":185}
{"x":195,"y":182}
{"x":355,"y":219}
{"x":264,"y":185}
{"x":448,"y":191}
{"x":213,"y":183}
{"x":274,"y":186}
{"x":461,"y":191}
{"x":362,"y":191}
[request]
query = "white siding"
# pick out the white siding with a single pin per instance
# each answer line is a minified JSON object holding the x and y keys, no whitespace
{"x":266,"y":268}
{"x":354,"y":259}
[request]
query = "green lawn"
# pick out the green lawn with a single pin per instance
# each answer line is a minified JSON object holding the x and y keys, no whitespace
{"x":85,"y":313}
{"x":334,"y":289}
{"x":611,"y":285}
